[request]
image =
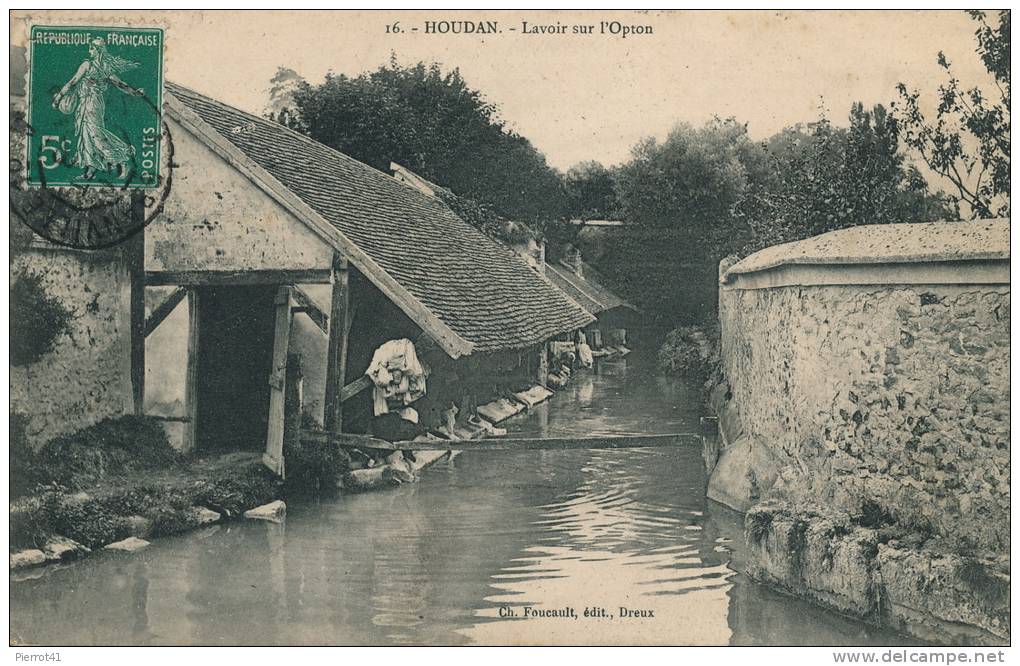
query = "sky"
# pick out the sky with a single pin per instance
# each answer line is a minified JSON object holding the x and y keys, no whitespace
{"x":592,"y":97}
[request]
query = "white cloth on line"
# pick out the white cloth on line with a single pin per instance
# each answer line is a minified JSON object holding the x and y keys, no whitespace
{"x":396,"y":375}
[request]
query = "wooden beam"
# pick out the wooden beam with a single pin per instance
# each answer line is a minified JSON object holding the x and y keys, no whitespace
{"x":164,"y":309}
{"x":191,"y":376}
{"x":238,"y":277}
{"x":336,"y":348}
{"x":273,"y":457}
{"x":308,"y":306}
{"x":355,"y":387}
{"x":169,"y":419}
{"x":135,"y":248}
{"x":510,"y":443}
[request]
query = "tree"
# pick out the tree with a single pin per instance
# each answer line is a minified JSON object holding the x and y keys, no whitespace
{"x":708,"y":192}
{"x":967,"y":142}
{"x":824,"y":178}
{"x":677,"y":198}
{"x":282,"y":87}
{"x":591,"y":192}
{"x":689,"y":182}
{"x":433,"y":123}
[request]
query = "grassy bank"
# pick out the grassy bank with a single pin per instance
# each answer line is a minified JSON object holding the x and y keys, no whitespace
{"x":121,"y":478}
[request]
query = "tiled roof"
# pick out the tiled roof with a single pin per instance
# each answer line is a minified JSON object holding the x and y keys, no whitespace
{"x":587,"y":291}
{"x":888,"y":243}
{"x":482,"y":290}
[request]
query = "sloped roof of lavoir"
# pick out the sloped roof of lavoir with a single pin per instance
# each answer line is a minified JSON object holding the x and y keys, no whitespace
{"x":482,"y":291}
{"x":588,"y":291}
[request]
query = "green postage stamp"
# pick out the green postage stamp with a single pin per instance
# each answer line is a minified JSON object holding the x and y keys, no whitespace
{"x":95,"y":95}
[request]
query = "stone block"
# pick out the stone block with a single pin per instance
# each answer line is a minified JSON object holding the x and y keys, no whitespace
{"x":128,"y":545}
{"x":60,"y":548}
{"x":944,"y":597}
{"x":745,"y":472}
{"x":773,"y":537}
{"x":27,"y":558}
{"x":838,"y":566}
{"x":274,"y":511}
{"x":205,"y":516}
{"x":819,"y":557}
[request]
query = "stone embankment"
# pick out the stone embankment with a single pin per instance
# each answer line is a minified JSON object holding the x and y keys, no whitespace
{"x":866,"y":371}
{"x":884,"y":576}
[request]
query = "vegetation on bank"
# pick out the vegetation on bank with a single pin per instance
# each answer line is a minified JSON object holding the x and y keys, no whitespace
{"x":121,"y":478}
{"x":691,"y":351}
{"x":140,"y":506}
{"x":108,"y":450}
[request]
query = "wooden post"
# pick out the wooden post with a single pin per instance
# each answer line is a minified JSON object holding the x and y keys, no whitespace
{"x":273,"y":457}
{"x":191,"y":376}
{"x":336,"y":348}
{"x":543,"y":364}
{"x":293,"y":401}
{"x":135,"y":250}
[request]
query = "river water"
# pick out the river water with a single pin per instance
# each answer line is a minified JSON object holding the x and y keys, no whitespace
{"x":440,"y":561}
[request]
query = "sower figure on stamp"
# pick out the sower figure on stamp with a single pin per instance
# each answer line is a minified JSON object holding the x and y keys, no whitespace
{"x":96,"y":147}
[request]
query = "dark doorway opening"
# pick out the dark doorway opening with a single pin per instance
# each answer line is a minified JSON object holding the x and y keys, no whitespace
{"x":235,"y":358}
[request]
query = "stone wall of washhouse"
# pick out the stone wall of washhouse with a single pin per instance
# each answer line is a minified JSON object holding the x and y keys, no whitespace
{"x":86,"y":377}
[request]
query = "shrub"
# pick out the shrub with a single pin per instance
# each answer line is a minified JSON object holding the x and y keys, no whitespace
{"x":167,"y":521}
{"x":690,"y":351}
{"x":109,"y":448}
{"x":314,"y":467}
{"x":145,"y":500}
{"x":37,"y":320}
{"x":233,"y":495}
{"x":757,"y":525}
{"x":29,"y":523}
{"x":984,"y":583}
{"x":26,"y":471}
{"x":86,"y":521}
{"x":874,"y":515}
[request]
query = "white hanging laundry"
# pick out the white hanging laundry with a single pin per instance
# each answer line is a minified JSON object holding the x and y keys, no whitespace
{"x":396,"y":375}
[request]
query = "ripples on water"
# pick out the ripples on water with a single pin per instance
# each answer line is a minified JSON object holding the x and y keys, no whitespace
{"x":433,"y":562}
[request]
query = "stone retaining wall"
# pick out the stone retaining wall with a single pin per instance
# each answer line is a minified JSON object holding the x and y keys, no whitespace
{"x":890,"y":399}
{"x":865,"y":388}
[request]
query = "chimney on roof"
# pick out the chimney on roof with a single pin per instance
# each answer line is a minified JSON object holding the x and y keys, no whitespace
{"x":572,"y":260}
{"x":532,"y":250}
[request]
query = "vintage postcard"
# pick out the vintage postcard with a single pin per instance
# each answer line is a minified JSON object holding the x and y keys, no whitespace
{"x":442,"y":328}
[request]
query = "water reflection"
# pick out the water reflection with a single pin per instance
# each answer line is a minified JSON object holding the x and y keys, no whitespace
{"x":433,"y":562}
{"x":608,"y":543}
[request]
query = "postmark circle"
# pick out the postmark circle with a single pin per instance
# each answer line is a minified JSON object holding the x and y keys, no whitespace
{"x":93,"y":217}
